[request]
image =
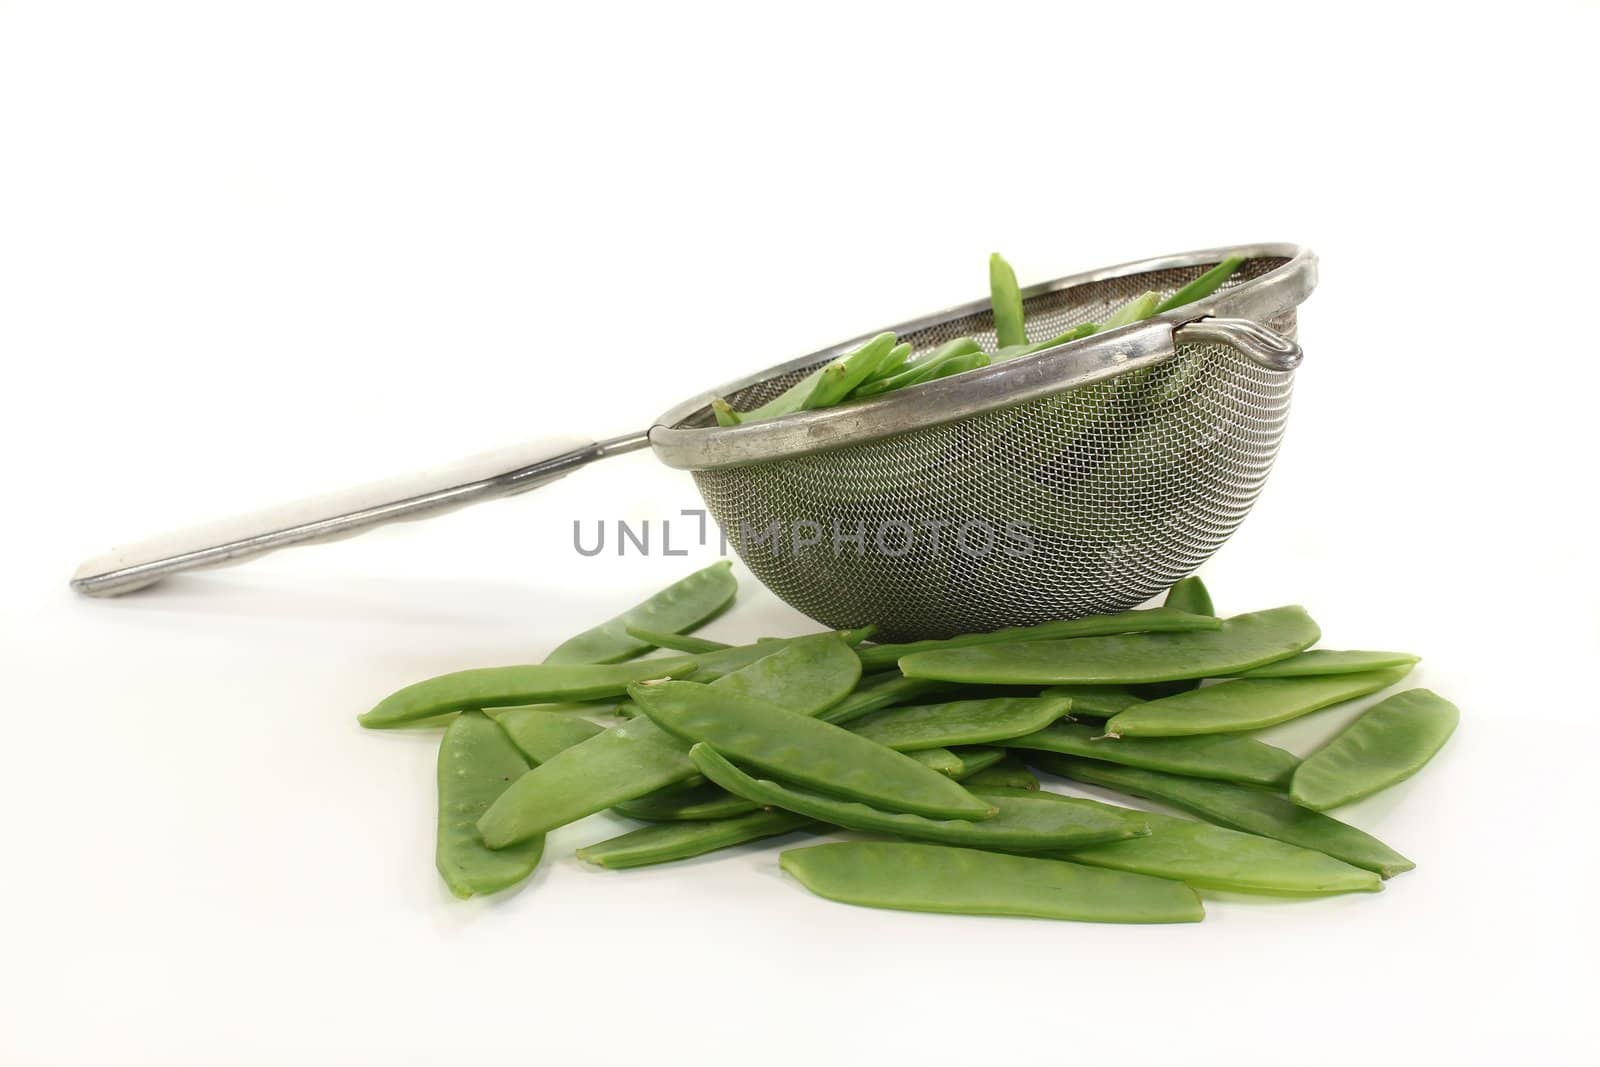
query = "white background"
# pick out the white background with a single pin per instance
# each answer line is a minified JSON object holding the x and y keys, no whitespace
{"x":249,"y":251}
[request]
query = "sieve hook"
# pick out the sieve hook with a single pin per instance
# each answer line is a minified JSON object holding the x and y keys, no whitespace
{"x":1262,"y":346}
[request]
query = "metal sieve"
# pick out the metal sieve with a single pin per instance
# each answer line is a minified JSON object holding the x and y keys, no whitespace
{"x":1083,"y":478}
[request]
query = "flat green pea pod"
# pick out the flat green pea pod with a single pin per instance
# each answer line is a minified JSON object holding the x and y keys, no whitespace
{"x":1019,"y":824}
{"x":1006,"y":299}
{"x":1203,"y":286}
{"x":977,"y":758}
{"x":919,"y":370}
{"x":476,"y":763}
{"x":1238,"y":644}
{"x":1189,"y":595}
{"x":1246,"y":704}
{"x":501,"y":687}
{"x":878,"y":691}
{"x":1138,"y":309}
{"x":627,"y":761}
{"x":942,"y":760}
{"x":805,"y":750}
{"x":682,"y":605}
{"x":1151,"y":620}
{"x":1239,"y":807}
{"x":699,"y":800}
{"x":1329,"y":661}
{"x":839,"y":378}
{"x":1224,"y":757}
{"x":897,"y":358}
{"x":668,"y":842}
{"x":1391,"y":741}
{"x":1009,"y":773}
{"x":813,"y":390}
{"x":1077,"y":333}
{"x":685,"y":643}
{"x":1094,"y":701}
{"x":692,"y":801}
{"x":1213,"y":857}
{"x":724,"y":412}
{"x":963,"y":881}
{"x":961,"y":722}
{"x":543,"y":730}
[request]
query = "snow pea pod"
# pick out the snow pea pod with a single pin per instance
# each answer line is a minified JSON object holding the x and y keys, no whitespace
{"x":1213,"y":857}
{"x":1150,"y":620}
{"x":878,"y":691}
{"x":1239,"y":807}
{"x":683,"y":605}
{"x":1330,"y":661}
{"x":1020,"y":824}
{"x":1391,"y":741}
{"x":1009,"y":773}
{"x":1094,"y":701}
{"x":963,"y":881}
{"x":476,"y":763}
{"x":805,"y":750}
{"x":545,"y":729}
{"x":499,"y":687}
{"x":897,"y":358}
{"x":1138,"y":309}
{"x":1203,"y":286}
{"x":961,"y":722}
{"x":840,"y":378}
{"x":637,"y":757}
{"x":1006,"y":300}
{"x":667,"y":842}
{"x":692,"y":801}
{"x":1238,"y":644}
{"x":933,"y":365}
{"x":1246,"y":704}
{"x":942,"y":760}
{"x":698,"y":800}
{"x":1190,"y":595}
{"x":1225,"y":757}
{"x":977,"y":758}
{"x":685,"y":643}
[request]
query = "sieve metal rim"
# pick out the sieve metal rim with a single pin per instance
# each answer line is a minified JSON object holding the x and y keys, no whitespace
{"x":1001,"y":385}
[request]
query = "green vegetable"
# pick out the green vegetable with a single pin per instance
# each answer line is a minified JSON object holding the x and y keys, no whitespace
{"x":805,"y":750}
{"x":636,"y":758}
{"x":667,"y":842}
{"x":1391,"y":741}
{"x":1225,"y":757}
{"x":963,"y":881}
{"x":1239,"y":807}
{"x":1006,"y":299}
{"x":962,"y":722}
{"x":476,"y":763}
{"x":499,"y":687}
{"x":1240,"y":643}
{"x":1327,"y":661}
{"x":1203,"y":286}
{"x":1019,"y":824}
{"x":681,"y":606}
{"x":1154,"y":620}
{"x":1246,"y":704}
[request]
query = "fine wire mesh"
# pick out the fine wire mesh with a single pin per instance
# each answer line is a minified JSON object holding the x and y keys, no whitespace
{"x":1089,"y":500}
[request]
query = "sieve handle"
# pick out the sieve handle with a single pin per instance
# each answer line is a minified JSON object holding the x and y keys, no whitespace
{"x":1263,"y":346}
{"x":344,"y":514}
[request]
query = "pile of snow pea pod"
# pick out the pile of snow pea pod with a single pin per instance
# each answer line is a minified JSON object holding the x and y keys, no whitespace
{"x":883,"y":366}
{"x":934,"y":749}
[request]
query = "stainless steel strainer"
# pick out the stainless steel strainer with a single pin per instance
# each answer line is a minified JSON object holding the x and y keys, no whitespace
{"x":1083,"y":478}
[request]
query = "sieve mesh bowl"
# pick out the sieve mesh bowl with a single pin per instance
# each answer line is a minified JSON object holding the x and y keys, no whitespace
{"x":1087,"y":500}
